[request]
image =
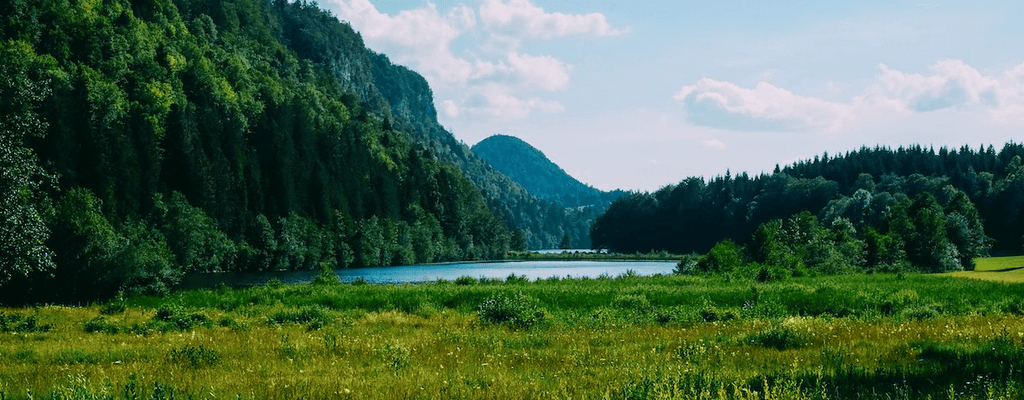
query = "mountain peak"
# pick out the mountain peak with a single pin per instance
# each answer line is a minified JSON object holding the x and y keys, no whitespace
{"x":532,"y":169}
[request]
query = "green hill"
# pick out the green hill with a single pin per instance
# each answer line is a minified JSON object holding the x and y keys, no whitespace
{"x":143,"y":140}
{"x":532,"y":169}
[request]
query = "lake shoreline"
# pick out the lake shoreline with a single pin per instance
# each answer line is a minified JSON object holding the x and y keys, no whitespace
{"x":531,"y":269}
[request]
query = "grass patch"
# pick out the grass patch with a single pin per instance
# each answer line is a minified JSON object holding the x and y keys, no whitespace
{"x":998,"y":263}
{"x":856,"y":336}
{"x":996,"y":269}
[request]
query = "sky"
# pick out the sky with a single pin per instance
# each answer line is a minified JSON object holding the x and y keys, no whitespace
{"x":639,"y":95}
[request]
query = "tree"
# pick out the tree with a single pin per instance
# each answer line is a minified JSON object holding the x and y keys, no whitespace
{"x":23,"y":233}
{"x":565,"y":244}
{"x":725,"y":256}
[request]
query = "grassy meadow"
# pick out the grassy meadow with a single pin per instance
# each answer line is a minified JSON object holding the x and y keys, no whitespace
{"x":999,"y":269}
{"x":626,"y":337}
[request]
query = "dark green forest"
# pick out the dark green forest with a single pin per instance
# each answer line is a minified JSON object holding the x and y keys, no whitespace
{"x":870,"y":209}
{"x":144,"y":140}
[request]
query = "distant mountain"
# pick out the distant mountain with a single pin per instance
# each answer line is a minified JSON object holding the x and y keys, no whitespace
{"x":538,"y":175}
{"x":531,"y":168}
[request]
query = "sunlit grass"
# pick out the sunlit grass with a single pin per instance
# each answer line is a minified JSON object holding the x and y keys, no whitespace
{"x":999,"y":263}
{"x":625,"y":337}
{"x":998,"y":269}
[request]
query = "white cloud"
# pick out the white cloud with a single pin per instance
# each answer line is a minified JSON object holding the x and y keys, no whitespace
{"x":765,"y":107}
{"x":714,"y":144}
{"x":543,"y":72}
{"x":952,"y":84}
{"x":496,"y":101}
{"x":493,"y":79}
{"x":524,"y":18}
{"x":420,"y":36}
{"x":450,"y":108}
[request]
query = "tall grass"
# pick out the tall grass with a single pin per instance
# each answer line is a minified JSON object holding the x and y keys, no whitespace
{"x":912,"y":336}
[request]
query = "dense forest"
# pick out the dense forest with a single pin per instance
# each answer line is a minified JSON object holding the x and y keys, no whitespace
{"x":143,"y":140}
{"x":875,"y":208}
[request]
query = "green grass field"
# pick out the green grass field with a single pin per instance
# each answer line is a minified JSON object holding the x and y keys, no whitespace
{"x":999,"y":269}
{"x":629,"y":337}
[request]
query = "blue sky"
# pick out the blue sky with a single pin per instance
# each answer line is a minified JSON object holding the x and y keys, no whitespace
{"x":638,"y":95}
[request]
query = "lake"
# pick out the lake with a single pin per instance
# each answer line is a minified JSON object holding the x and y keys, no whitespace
{"x":532,"y":270}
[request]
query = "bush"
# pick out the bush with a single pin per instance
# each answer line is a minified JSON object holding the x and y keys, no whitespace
{"x":636,"y":302}
{"x":769,"y":273}
{"x":23,"y":324}
{"x":920,"y":313}
{"x":687,"y":264}
{"x":710,"y":313}
{"x":112,"y":308}
{"x":465,"y":281}
{"x":779,"y":338}
{"x":327,"y":276}
{"x":175,"y":318}
{"x":195,"y":356}
{"x":316,"y":317}
{"x":520,"y":311}
{"x":723,"y":257}
{"x":100,"y":324}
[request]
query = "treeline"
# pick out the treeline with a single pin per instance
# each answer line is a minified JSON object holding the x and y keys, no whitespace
{"x":143,"y":140}
{"x":910,"y":206}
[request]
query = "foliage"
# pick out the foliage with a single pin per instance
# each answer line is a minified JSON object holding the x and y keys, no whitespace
{"x":20,"y":323}
{"x":519,"y":310}
{"x":145,"y":140}
{"x":723,"y":258}
{"x":23,"y":232}
{"x":979,"y":191}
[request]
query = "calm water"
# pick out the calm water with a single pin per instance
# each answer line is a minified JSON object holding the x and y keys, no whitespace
{"x":533,"y":270}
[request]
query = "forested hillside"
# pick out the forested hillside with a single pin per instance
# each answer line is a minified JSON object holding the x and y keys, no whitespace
{"x":142,"y":140}
{"x":541,"y":177}
{"x":871,"y":208}
{"x":541,"y":223}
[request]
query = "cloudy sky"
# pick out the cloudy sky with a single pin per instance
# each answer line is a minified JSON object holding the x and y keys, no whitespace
{"x":638,"y":95}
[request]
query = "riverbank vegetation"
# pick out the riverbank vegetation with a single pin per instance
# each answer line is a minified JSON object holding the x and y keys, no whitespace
{"x":573,"y":255}
{"x":871,"y":335}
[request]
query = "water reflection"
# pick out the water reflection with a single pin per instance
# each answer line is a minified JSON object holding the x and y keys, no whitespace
{"x":532,"y":270}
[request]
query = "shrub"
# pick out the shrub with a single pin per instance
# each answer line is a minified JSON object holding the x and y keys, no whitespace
{"x":769,"y":273}
{"x":395,"y":356}
{"x":725,"y":256}
{"x":512,"y":279}
{"x":465,"y":281}
{"x":519,"y":311}
{"x":779,"y":338}
{"x":195,"y":356}
{"x":710,"y":313}
{"x":23,"y":324}
{"x":687,"y":264}
{"x":175,"y":318}
{"x":231,"y":323}
{"x":316,"y":317}
{"x":637,"y":302}
{"x":327,"y":276}
{"x":116,"y":307}
{"x":100,"y":324}
{"x":920,"y":313}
